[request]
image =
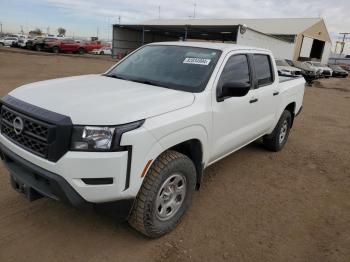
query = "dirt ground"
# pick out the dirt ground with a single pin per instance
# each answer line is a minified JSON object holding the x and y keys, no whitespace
{"x":253,"y":206}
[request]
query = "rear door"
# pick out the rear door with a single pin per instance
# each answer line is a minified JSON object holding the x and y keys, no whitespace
{"x":68,"y":45}
{"x":265,"y":95}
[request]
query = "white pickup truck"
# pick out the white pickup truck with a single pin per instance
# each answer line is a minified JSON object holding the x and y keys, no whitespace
{"x":138,"y":137}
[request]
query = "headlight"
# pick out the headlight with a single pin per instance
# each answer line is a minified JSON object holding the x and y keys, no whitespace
{"x":95,"y":138}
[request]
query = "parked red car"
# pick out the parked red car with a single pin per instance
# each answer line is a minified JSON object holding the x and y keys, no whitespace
{"x":71,"y":46}
{"x":89,"y":46}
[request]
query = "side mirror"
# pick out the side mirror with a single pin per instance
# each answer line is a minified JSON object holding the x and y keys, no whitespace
{"x":233,"y":89}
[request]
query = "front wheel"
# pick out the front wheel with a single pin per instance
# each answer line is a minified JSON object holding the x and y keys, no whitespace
{"x":55,"y":50}
{"x":165,"y":195}
{"x":81,"y":51}
{"x":278,"y":138}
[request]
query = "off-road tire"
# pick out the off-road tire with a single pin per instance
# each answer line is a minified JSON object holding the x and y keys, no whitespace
{"x":143,"y":216}
{"x":272,"y":141}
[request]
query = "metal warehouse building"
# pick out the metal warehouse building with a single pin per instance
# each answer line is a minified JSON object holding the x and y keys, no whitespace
{"x":290,"y":38}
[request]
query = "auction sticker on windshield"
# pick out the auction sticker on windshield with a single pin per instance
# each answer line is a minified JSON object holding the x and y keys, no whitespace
{"x":196,"y":61}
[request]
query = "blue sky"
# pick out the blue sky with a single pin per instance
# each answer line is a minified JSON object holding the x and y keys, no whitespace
{"x":83,"y":17}
{"x":32,"y":14}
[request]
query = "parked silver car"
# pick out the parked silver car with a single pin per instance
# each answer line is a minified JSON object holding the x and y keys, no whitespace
{"x":326,"y":71}
{"x":309,"y":72}
{"x":284,"y":69}
{"x":9,"y":41}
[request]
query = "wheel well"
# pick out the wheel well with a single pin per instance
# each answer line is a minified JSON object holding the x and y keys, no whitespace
{"x":193,"y":150}
{"x":291,"y":109}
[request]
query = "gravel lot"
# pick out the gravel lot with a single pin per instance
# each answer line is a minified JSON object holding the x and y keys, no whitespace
{"x":253,"y":206}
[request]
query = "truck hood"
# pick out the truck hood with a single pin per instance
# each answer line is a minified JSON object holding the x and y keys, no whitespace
{"x":325,"y":68}
{"x":288,"y":68}
{"x":101,"y":100}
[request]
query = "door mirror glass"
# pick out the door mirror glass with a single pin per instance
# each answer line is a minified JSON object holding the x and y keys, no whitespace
{"x":234,"y":89}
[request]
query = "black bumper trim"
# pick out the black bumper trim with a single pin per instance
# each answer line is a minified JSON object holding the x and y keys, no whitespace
{"x":56,"y":187}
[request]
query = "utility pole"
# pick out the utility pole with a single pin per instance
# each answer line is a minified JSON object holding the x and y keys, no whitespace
{"x":108,"y":28}
{"x":159,"y":12}
{"x":0,"y":27}
{"x":194,"y":10}
{"x":343,"y":42}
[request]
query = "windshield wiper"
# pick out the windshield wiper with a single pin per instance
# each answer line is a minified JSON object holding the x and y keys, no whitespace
{"x":142,"y":81}
{"x":146,"y":82}
{"x":116,"y":76}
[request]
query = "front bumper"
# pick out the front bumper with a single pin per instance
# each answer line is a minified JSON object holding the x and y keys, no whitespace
{"x":326,"y":73}
{"x":342,"y":74}
{"x":36,"y":182}
{"x":73,"y":167}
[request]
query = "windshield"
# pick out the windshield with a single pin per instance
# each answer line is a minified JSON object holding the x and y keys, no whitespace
{"x":176,"y":67}
{"x":50,"y":39}
{"x":336,"y":67}
{"x":317,"y":64}
{"x":281,"y":62}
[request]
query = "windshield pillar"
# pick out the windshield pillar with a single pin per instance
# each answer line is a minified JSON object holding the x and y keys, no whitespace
{"x":143,"y":35}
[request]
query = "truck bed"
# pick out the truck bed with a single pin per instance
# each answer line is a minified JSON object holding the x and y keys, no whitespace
{"x":288,"y":78}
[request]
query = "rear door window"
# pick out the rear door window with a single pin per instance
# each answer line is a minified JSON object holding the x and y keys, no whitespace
{"x":263,"y":69}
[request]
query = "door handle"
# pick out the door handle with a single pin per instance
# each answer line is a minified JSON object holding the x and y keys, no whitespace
{"x":253,"y":100}
{"x":275,"y":93}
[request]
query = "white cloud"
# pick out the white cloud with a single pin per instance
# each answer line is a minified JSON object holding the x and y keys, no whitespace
{"x":335,"y":13}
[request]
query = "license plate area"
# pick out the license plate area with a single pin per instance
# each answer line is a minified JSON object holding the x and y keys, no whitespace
{"x":30,"y":193}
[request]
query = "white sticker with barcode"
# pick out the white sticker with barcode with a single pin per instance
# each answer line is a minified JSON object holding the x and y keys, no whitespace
{"x":196,"y":61}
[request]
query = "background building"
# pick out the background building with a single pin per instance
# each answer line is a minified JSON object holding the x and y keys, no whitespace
{"x":290,"y":38}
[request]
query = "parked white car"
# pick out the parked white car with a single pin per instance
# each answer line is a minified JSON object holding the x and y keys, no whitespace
{"x":326,"y":71}
{"x":285,"y":69}
{"x":22,"y":41}
{"x":102,"y":51}
{"x":138,"y":137}
{"x":9,"y":41}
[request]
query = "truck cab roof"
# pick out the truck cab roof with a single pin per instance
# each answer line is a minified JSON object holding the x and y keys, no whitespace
{"x":211,"y":45}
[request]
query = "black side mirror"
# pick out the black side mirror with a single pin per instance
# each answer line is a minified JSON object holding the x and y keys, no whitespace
{"x":233,"y":89}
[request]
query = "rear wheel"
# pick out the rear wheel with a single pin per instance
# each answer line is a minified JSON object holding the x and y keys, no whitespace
{"x":55,"y":50}
{"x":102,"y":53}
{"x":278,"y":138}
{"x":81,"y":51}
{"x":165,"y":194}
{"x":37,"y":47}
